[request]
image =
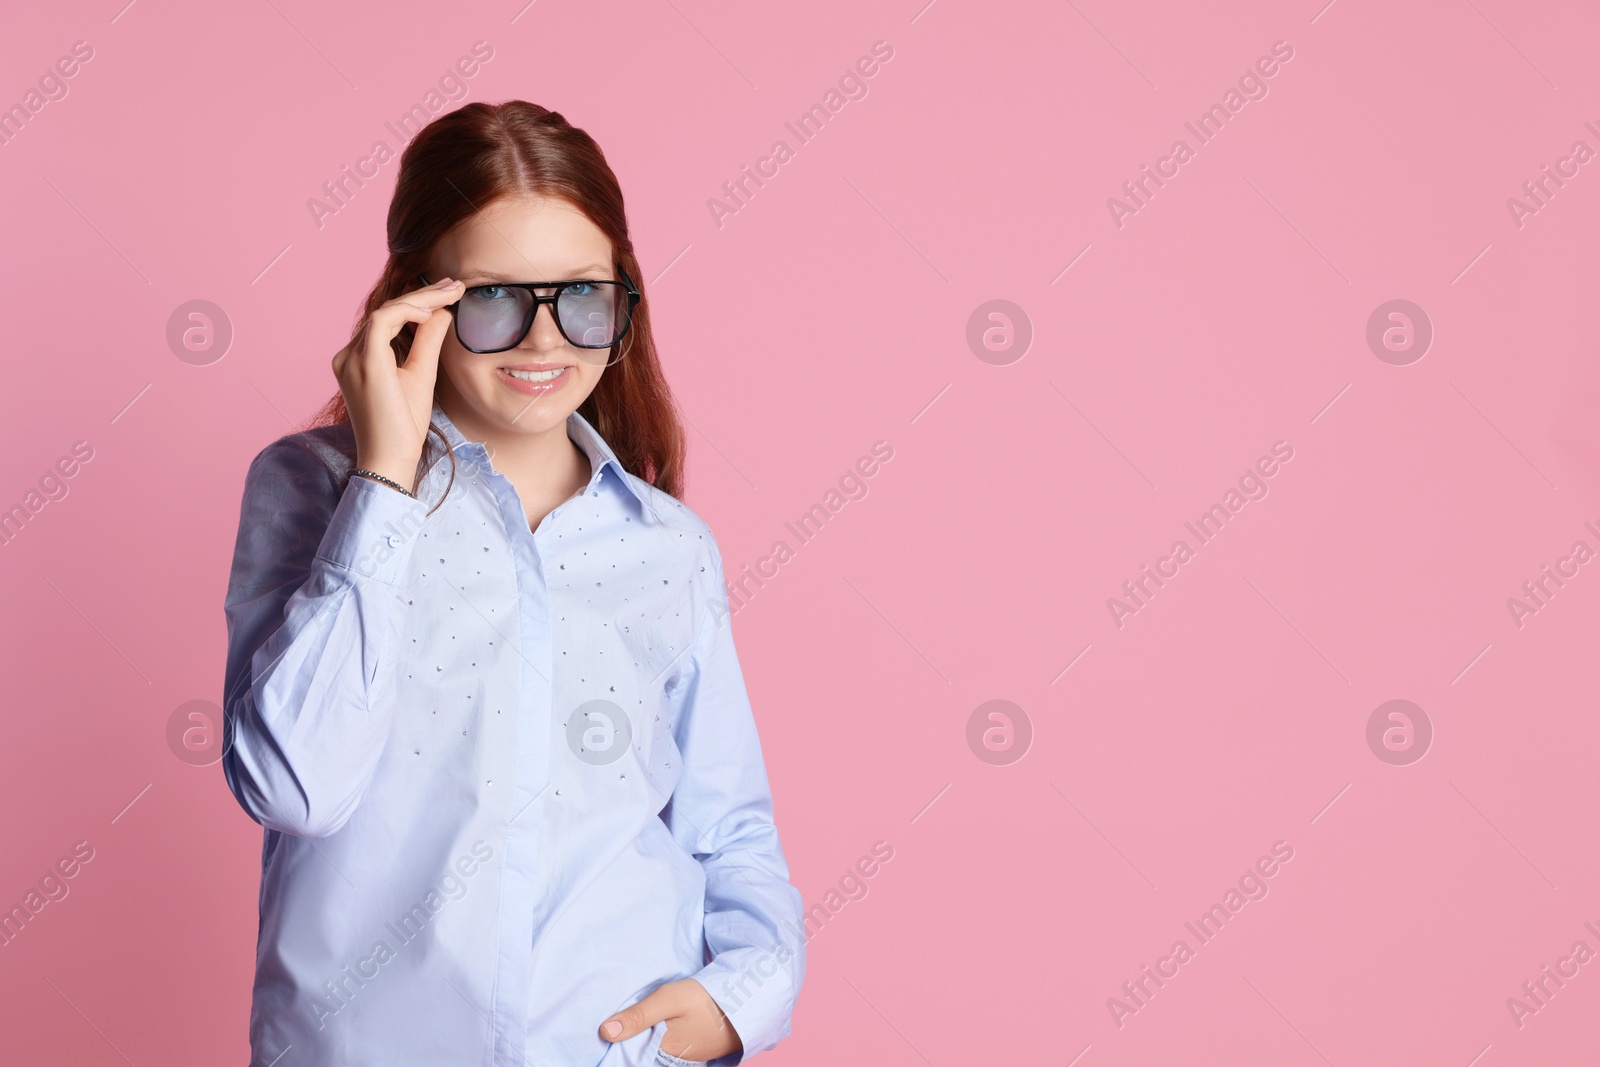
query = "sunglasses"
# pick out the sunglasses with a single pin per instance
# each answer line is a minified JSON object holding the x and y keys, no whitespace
{"x":497,"y":316}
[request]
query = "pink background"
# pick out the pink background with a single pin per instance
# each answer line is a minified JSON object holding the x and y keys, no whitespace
{"x":1229,"y":313}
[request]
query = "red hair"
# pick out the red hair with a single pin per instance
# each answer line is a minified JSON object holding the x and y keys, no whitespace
{"x":469,"y":158}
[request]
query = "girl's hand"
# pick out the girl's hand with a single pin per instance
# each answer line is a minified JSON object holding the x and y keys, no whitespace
{"x":390,"y":406}
{"x":696,"y":1027}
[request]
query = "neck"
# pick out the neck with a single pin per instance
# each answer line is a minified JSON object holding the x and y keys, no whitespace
{"x":539,"y":463}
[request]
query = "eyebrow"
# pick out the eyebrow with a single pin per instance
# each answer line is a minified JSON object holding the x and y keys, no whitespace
{"x":495,"y":276}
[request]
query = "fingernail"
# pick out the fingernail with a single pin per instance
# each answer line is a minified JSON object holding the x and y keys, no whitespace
{"x":612,"y":1028}
{"x":444,"y":281}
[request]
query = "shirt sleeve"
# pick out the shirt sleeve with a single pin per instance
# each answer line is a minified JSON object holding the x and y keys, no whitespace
{"x":312,"y":609}
{"x":721,"y":812}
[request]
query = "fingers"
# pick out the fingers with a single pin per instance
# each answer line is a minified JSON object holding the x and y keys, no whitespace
{"x":389,"y":403}
{"x":625,"y":1024}
{"x":696,"y":1025}
{"x":423,"y":358}
{"x":442,"y":292}
{"x":416,"y":306}
{"x":657,"y":1007}
{"x":371,"y":355}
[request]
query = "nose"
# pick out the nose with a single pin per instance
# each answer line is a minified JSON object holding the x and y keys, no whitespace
{"x":543,"y":332}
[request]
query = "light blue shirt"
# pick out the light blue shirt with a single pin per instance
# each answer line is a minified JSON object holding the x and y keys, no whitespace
{"x":511,"y":781}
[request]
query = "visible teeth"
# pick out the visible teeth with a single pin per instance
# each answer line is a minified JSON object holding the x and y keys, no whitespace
{"x":534,"y":375}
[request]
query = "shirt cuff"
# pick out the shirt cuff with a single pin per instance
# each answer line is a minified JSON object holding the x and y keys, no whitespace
{"x":755,"y":989}
{"x":373,"y":531}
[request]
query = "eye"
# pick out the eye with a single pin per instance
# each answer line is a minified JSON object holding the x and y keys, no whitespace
{"x":582,"y":289}
{"x":489,"y":292}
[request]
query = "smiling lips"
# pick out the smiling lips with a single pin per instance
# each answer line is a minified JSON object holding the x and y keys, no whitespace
{"x":535,"y":379}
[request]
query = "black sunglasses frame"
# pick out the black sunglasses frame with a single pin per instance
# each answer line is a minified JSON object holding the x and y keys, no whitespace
{"x":626,"y":282}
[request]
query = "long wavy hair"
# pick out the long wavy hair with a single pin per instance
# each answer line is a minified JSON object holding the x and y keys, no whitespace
{"x":459,"y":164}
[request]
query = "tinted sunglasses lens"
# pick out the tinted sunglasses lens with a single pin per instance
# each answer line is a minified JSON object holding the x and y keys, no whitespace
{"x":492,"y":317}
{"x":593,"y":314}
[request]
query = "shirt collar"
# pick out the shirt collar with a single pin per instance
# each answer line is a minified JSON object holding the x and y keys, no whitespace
{"x":583,"y":434}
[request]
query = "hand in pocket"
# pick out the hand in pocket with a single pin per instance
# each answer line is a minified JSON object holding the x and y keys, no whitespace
{"x":697,"y":1029}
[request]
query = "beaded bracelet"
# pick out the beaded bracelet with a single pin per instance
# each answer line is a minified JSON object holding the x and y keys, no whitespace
{"x":375,"y":476}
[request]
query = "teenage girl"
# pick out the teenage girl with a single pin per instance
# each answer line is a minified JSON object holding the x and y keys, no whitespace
{"x":481,"y":686}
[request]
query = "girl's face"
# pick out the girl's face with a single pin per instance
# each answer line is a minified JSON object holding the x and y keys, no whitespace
{"x":532,"y":388}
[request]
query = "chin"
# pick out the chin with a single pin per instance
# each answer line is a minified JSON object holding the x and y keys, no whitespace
{"x":531,"y":418}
